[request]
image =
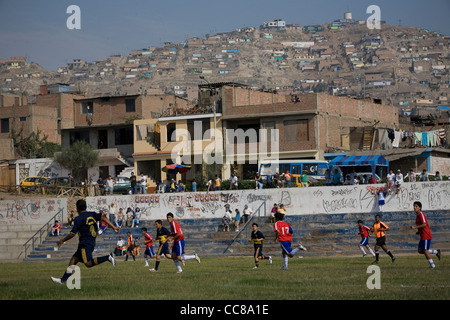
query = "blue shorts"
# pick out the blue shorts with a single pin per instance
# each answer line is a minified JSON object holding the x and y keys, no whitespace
{"x":286,"y":246}
{"x":149,"y":252}
{"x":364,"y":241}
{"x":425,"y":244}
{"x":178,"y":248}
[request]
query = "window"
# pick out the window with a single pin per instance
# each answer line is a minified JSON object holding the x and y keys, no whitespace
{"x":23,"y":119}
{"x":123,"y":136}
{"x":5,"y":125}
{"x":204,"y":124}
{"x":87,"y":107}
{"x":171,"y":132}
{"x":130,"y":105}
{"x":79,"y":135}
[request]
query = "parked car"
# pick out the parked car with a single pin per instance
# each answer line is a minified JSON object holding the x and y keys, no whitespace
{"x":30,"y":182}
{"x":122,"y":185}
{"x":59,"y":181}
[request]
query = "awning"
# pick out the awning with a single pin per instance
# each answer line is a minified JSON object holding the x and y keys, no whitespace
{"x":370,"y":160}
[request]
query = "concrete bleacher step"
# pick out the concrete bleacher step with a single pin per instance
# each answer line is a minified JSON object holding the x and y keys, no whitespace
{"x":323,"y":235}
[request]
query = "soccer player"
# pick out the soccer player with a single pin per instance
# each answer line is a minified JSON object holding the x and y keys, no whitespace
{"x":284,"y":233}
{"x":148,"y":241}
{"x":178,"y":243}
{"x":161,"y":235}
{"x":364,"y":232}
{"x":130,"y":246}
{"x":85,"y":225}
{"x":380,"y":228}
{"x":258,"y":238}
{"x":423,"y":229}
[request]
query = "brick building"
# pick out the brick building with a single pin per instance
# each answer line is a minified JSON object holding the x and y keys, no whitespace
{"x":309,"y":125}
{"x":49,"y":113}
{"x":106,"y":123}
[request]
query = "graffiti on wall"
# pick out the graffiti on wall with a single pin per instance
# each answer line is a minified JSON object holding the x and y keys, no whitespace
{"x":29,"y":211}
{"x":298,"y":201}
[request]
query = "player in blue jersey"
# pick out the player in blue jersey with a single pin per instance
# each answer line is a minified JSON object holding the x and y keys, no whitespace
{"x":161,"y":235}
{"x":257,"y":238}
{"x":85,"y":225}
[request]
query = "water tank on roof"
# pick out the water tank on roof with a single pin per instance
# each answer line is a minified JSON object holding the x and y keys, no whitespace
{"x":348,"y":15}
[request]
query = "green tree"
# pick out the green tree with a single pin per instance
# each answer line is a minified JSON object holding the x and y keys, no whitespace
{"x":33,"y":146}
{"x":78,"y":158}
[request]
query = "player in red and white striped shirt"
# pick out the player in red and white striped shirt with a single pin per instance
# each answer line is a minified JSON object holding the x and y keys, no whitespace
{"x":423,"y":229}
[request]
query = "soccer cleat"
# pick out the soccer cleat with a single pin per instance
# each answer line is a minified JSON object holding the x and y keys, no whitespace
{"x":270,"y":259}
{"x":197,"y":258}
{"x":438,"y":254}
{"x":56,"y":280}
{"x":111,"y":259}
{"x":393,"y":259}
{"x":255,"y":267}
{"x":301,"y":247}
{"x":180,"y":271}
{"x":153,"y":270}
{"x":283,"y":268}
{"x":375,"y":262}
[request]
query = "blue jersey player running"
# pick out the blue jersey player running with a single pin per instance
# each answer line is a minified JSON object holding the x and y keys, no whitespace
{"x":85,"y":225}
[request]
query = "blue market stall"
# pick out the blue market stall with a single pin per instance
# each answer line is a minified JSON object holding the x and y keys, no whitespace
{"x":374,"y":164}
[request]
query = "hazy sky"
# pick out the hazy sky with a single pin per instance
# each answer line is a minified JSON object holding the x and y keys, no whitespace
{"x":37,"y":28}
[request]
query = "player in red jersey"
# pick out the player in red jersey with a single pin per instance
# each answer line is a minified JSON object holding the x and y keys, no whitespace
{"x":364,"y":232}
{"x":284,"y":235}
{"x":178,"y":243}
{"x":423,"y":229}
{"x":148,"y":241}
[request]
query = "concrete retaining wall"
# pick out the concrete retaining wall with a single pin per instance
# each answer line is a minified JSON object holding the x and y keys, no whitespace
{"x":298,"y":201}
{"x":20,"y":219}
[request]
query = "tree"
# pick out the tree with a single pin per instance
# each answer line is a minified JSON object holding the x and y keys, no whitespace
{"x":78,"y":158}
{"x":33,"y":146}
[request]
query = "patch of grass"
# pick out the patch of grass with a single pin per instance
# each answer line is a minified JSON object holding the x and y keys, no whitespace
{"x":232,"y":278}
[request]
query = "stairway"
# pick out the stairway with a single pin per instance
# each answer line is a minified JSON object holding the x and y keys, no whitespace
{"x":368,"y":136}
{"x":321,"y":234}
